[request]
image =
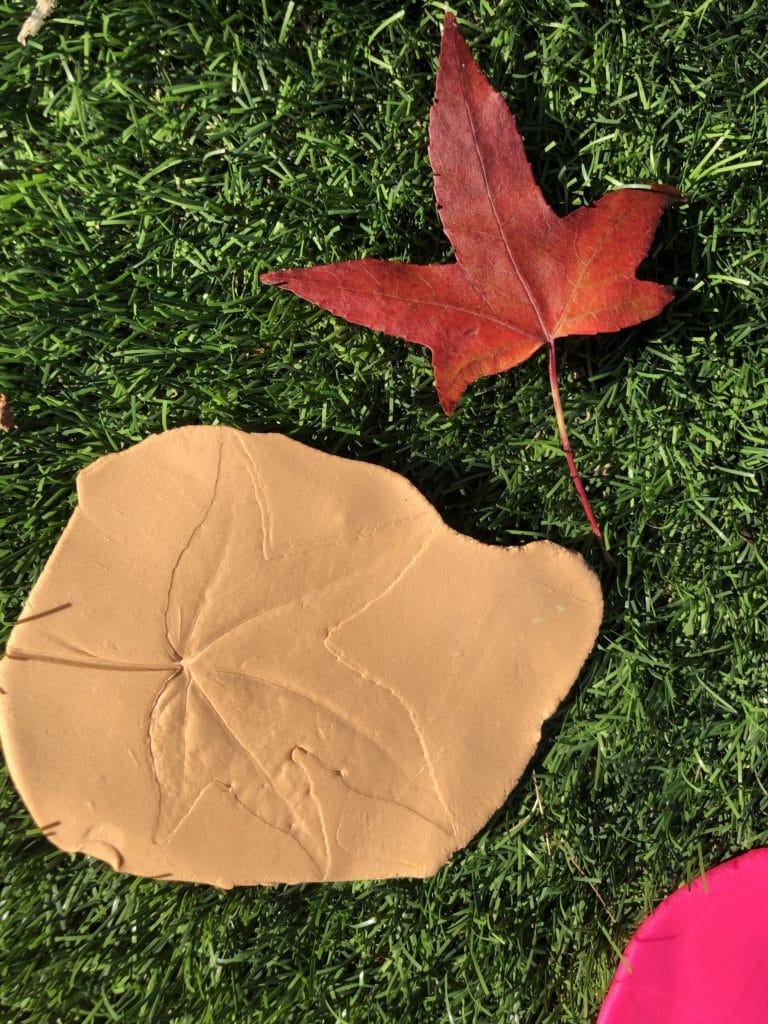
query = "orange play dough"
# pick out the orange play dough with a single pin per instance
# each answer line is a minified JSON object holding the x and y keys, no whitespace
{"x":247,"y":661}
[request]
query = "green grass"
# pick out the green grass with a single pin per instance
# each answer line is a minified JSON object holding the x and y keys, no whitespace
{"x":156,"y":157}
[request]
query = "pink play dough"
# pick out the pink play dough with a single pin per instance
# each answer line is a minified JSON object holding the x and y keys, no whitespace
{"x":702,"y":955}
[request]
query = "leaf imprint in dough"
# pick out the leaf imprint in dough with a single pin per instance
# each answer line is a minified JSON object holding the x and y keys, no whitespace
{"x":250,"y":662}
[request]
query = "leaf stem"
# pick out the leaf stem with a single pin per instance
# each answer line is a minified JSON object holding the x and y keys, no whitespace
{"x":555,"y":389}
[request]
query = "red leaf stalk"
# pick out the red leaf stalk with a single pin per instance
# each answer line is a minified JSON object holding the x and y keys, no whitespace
{"x":555,"y":389}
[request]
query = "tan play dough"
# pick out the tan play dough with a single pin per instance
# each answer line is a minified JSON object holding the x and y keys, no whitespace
{"x":247,"y":661}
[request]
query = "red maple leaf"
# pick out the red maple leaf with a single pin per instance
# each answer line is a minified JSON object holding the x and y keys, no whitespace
{"x":523,"y":275}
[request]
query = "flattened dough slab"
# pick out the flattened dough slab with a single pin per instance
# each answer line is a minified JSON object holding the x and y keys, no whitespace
{"x":247,"y":661}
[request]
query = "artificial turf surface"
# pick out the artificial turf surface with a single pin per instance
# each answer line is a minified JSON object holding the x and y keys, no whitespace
{"x":156,"y":157}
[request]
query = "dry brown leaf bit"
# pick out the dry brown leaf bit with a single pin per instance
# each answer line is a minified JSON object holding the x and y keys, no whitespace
{"x":7,"y":421}
{"x":33,"y":24}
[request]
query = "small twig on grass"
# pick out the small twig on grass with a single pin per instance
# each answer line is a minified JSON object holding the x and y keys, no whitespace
{"x":568,"y":855}
{"x":572,"y":860}
{"x":33,"y":24}
{"x":539,"y":806}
